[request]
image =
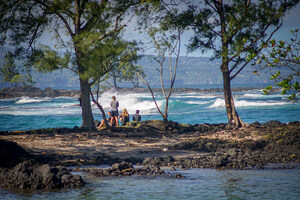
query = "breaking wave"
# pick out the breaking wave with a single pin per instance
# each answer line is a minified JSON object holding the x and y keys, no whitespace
{"x":25,"y":100}
{"x":244,"y":103}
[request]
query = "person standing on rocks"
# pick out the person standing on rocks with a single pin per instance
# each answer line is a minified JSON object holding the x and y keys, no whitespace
{"x":137,"y":116}
{"x":114,"y":104}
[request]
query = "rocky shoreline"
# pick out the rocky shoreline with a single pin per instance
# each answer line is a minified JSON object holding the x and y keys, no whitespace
{"x":6,"y":93}
{"x":149,"y":144}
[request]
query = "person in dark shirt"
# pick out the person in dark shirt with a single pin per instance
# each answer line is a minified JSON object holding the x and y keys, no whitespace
{"x":124,"y":117}
{"x":114,"y":104}
{"x":137,"y":116}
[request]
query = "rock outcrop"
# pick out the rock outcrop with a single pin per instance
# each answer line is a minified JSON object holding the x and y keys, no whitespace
{"x":28,"y":175}
{"x":20,"y":170}
{"x":11,"y":154}
{"x":35,"y":92}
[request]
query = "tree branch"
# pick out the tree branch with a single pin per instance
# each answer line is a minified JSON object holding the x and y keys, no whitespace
{"x":151,"y":94}
{"x":61,"y":17}
{"x":100,"y":108}
{"x":256,"y":39}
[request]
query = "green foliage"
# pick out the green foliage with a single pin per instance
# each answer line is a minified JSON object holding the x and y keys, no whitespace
{"x":8,"y":70}
{"x":283,"y":55}
{"x":234,"y":30}
{"x":13,"y":74}
{"x":46,"y":59}
{"x":87,"y":30}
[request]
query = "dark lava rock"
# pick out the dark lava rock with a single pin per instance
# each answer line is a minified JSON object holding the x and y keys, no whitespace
{"x":220,"y":161}
{"x":27,"y":175}
{"x":273,"y":123}
{"x":11,"y":154}
{"x":49,"y":92}
{"x":124,"y":169}
{"x":35,"y":92}
{"x":121,"y":166}
{"x":256,"y":123}
{"x":20,"y":92}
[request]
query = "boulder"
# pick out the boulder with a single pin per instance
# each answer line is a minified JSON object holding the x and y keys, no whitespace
{"x":28,"y":175}
{"x":11,"y":154}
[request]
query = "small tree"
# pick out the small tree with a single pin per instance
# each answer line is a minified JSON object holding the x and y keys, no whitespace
{"x":169,"y":48}
{"x":284,"y":56}
{"x":124,"y":68}
{"x":131,"y":74}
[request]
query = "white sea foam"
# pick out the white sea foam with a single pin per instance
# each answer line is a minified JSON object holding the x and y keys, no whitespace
{"x":39,"y":111}
{"x":196,"y":96}
{"x":197,"y":102}
{"x":256,"y":95}
{"x":131,"y":102}
{"x":25,"y":100}
{"x":217,"y":103}
{"x":243,"y":103}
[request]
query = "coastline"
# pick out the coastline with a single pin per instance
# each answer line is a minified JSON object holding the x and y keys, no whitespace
{"x":179,"y":145}
{"x":37,"y":159}
{"x":145,"y":148}
{"x":7,"y":93}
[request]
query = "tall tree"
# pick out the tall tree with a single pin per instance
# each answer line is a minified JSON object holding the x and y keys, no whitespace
{"x":86,"y":29}
{"x":235,"y":30}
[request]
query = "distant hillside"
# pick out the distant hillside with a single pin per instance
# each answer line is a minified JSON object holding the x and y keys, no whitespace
{"x":192,"y":71}
{"x":198,"y":70}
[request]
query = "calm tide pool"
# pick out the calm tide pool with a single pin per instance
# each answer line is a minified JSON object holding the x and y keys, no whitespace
{"x":196,"y":184}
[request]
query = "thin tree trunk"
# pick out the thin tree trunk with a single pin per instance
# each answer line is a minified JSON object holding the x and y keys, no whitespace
{"x":100,"y":108}
{"x":87,"y":115}
{"x":137,"y":82}
{"x":233,"y":116}
{"x":115,"y":82}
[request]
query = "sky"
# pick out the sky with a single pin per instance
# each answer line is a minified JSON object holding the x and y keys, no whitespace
{"x":291,"y":22}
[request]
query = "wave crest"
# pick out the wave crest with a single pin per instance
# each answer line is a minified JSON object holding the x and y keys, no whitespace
{"x":243,"y":103}
{"x":25,"y":100}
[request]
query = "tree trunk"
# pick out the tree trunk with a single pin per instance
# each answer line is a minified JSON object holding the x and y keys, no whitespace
{"x":87,"y":115}
{"x":137,"y":82}
{"x":99,"y":106}
{"x":115,"y":82}
{"x":233,"y":116}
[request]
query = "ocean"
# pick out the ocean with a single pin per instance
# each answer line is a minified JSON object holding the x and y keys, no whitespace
{"x":192,"y":108}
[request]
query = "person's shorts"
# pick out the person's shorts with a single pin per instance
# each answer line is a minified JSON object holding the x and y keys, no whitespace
{"x":114,"y":113}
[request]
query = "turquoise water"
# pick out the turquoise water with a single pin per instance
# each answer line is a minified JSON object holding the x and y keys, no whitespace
{"x":32,"y":113}
{"x":196,"y":184}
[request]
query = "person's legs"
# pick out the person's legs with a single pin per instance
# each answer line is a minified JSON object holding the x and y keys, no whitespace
{"x":117,"y":121}
{"x":101,"y":124}
{"x":112,"y":121}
